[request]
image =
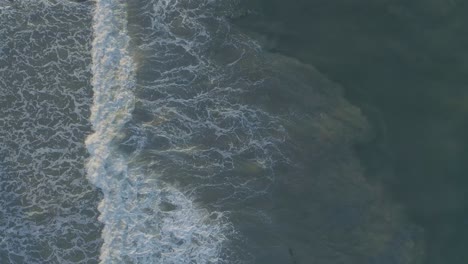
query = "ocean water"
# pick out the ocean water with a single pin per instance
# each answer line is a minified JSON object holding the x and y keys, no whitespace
{"x":161,"y":131}
{"x":48,"y":208}
{"x":403,"y":63}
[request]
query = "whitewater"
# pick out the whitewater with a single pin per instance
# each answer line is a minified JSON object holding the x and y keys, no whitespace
{"x":137,"y":228}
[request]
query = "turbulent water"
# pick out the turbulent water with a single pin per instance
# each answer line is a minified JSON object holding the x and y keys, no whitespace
{"x":48,"y":209}
{"x":155,"y":131}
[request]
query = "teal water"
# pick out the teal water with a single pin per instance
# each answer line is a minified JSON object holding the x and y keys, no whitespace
{"x":404,"y":64}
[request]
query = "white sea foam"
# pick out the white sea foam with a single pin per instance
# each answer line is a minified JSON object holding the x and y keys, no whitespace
{"x":145,"y":220}
{"x":47,"y":207}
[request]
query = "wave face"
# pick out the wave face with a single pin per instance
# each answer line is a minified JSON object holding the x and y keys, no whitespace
{"x":47,"y":207}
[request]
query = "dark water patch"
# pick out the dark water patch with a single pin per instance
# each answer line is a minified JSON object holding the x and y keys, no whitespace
{"x":404,"y":64}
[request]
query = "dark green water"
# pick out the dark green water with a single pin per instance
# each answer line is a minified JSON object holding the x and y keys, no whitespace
{"x":404,"y":64}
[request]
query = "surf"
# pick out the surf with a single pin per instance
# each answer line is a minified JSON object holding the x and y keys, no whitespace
{"x":145,"y":221}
